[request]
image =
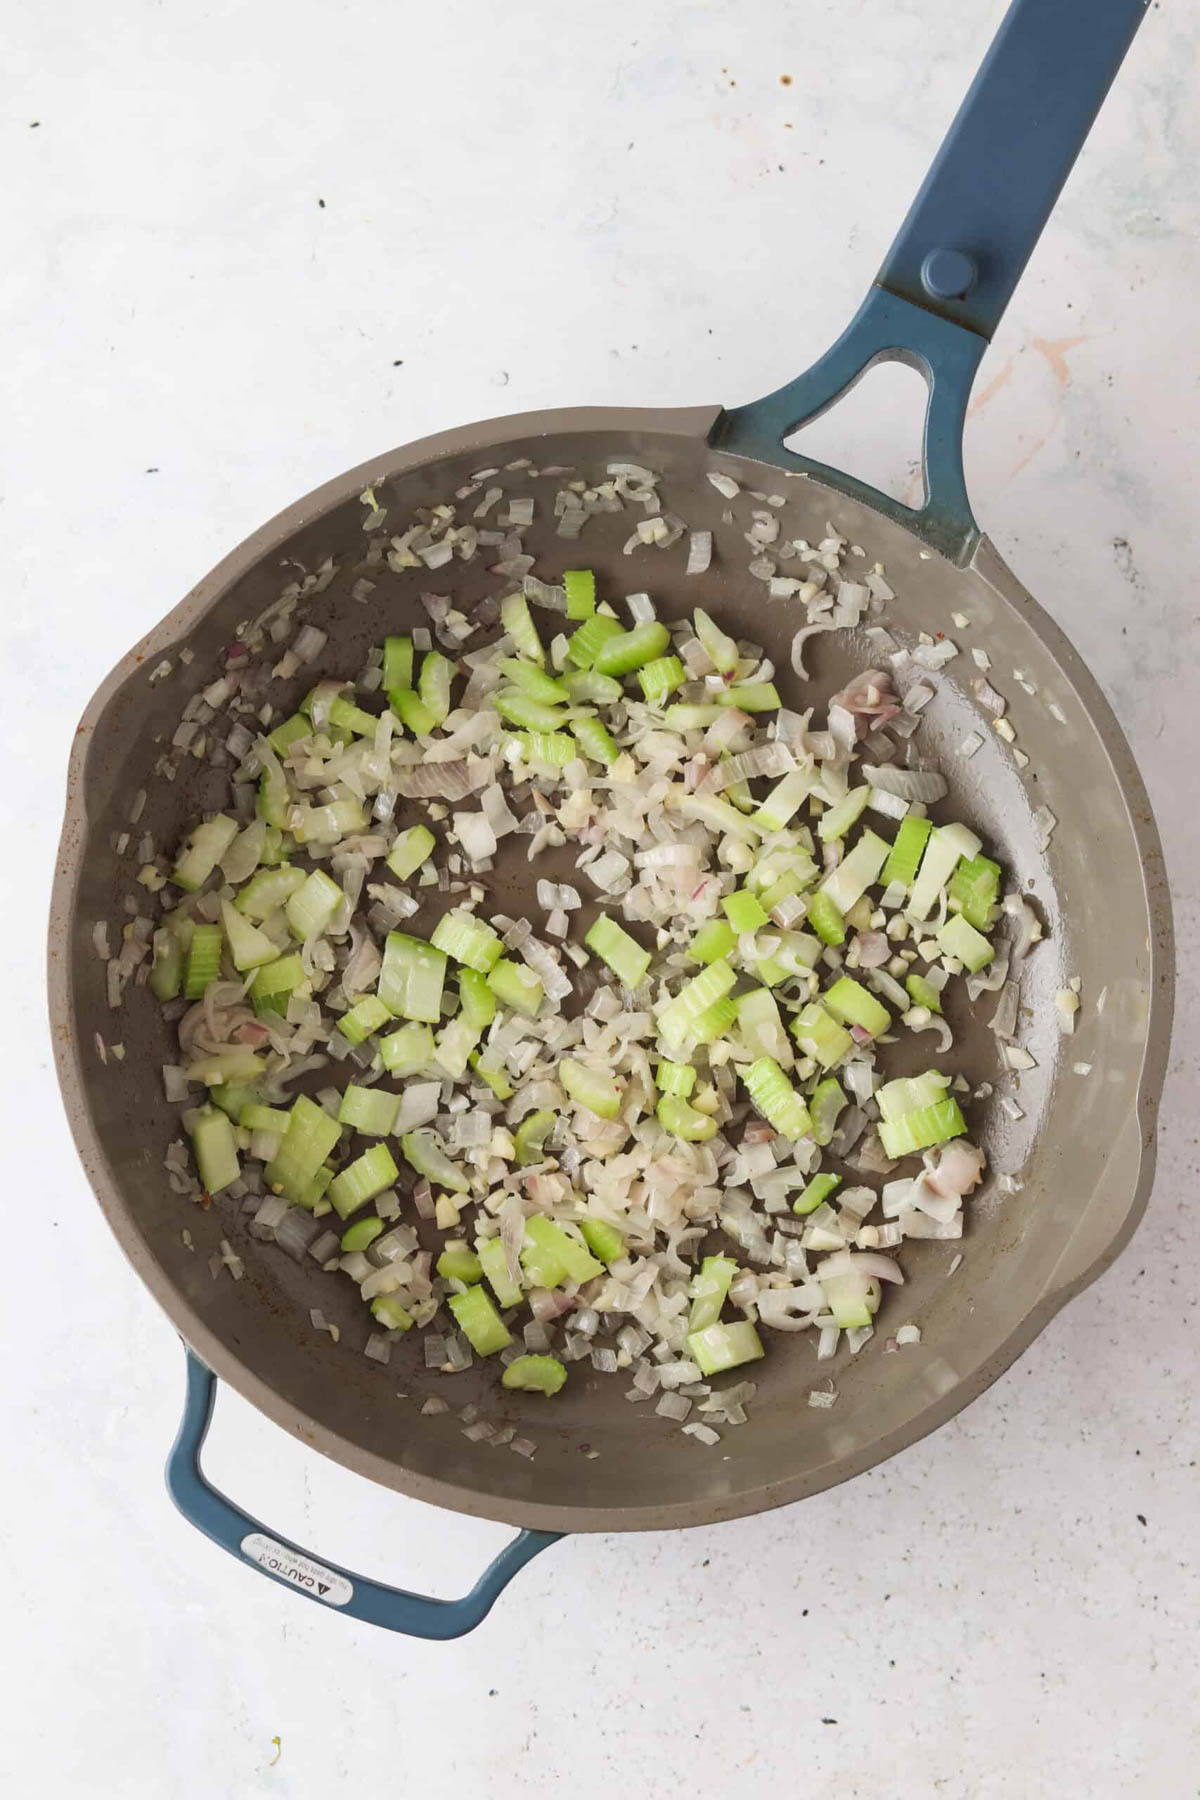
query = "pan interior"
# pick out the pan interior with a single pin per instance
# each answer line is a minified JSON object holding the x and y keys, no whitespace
{"x":1069,"y":1147}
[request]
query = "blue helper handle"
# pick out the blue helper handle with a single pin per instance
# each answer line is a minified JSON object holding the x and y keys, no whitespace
{"x":958,"y":256}
{"x":325,"y":1582}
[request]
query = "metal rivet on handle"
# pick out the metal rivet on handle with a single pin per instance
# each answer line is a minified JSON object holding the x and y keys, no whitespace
{"x":948,"y":274}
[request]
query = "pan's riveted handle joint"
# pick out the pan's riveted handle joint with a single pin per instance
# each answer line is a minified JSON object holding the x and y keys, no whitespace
{"x":948,"y":274}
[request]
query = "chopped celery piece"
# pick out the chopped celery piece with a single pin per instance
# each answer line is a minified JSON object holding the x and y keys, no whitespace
{"x":361,"y":1234}
{"x":580,"y":586}
{"x":540,"y":1265}
{"x":516,"y":986}
{"x":784,"y":800}
{"x":495,"y":1267}
{"x":858,"y":869}
{"x":368,"y":1016}
{"x":910,"y":1093}
{"x":675,"y":1078}
{"x":534,"y":1374}
{"x":256,"y":1117}
{"x":690,"y":718}
{"x":851,"y":1004}
{"x":744,"y":911}
{"x":468,"y":940}
{"x":709,"y":1290}
{"x":846,"y":1296}
{"x":369,"y":1110}
{"x":586,"y":643}
{"x":714,"y":1022}
{"x":530,"y":1137}
{"x":623,"y":954}
{"x":365,"y":1177}
{"x":390,"y":1314}
{"x":922,"y":1128}
{"x":533,"y":681}
{"x":203,"y":961}
{"x":904,"y":859}
{"x":959,"y":939}
{"x":268,"y":890}
{"x":752,"y":697}
{"x":973,"y":890}
{"x":397,"y":663}
{"x":599,"y":1093}
{"x":407,"y":1050}
{"x":826,"y":1103}
{"x":215,"y":1150}
{"x":454,"y":1045}
{"x":313,"y":1196}
{"x":345,"y":716}
{"x":837,"y":821}
{"x":825,"y":919}
{"x":206,"y":846}
{"x":816,"y":1193}
{"x":522,"y":710}
{"x":433,"y":686}
{"x":325,"y":824}
{"x":713,"y":941}
{"x":310,"y":909}
{"x":422,"y":1150}
{"x":715,"y":812}
{"x":493,"y":1074}
{"x":517,"y":620}
{"x":289,"y":733}
{"x":233,"y":1097}
{"x":554,"y":1242}
{"x":308,"y":1140}
{"x":477,"y":1318}
{"x":477,"y":999}
{"x":411,"y":711}
{"x":683,"y":1120}
{"x":775,"y":1097}
{"x":761,"y":1027}
{"x":411,"y":848}
{"x":789,"y":883}
{"x":679,"y":1016}
{"x":460,"y":1264}
{"x":720,"y":1347}
{"x":412,"y":978}
{"x":595,"y":740}
{"x":629,"y":650}
{"x":273,"y":803}
{"x":557,"y":748}
{"x":586,"y":688}
{"x":603,"y":1239}
{"x":923,"y":993}
{"x":721,"y":651}
{"x":947,"y":845}
{"x":170,"y":958}
{"x":820,"y":1036}
{"x":660,"y":678}
{"x":249,"y":947}
{"x":226,"y":1066}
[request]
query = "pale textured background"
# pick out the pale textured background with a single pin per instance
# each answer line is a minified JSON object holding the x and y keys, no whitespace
{"x":536,"y":205}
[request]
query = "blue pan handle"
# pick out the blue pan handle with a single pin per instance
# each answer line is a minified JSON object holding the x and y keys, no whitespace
{"x":958,"y":256}
{"x":325,"y":1582}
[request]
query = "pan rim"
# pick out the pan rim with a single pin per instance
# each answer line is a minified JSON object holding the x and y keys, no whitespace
{"x":694,"y":423}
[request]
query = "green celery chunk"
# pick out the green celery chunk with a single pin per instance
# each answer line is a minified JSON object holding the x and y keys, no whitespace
{"x":365,"y":1177}
{"x":595,"y":740}
{"x":423,"y":1152}
{"x":709,"y":1290}
{"x":522,"y":710}
{"x":477,"y":999}
{"x":345,"y":716}
{"x":816,"y":1193}
{"x":720,"y":1347}
{"x":905,"y":856}
{"x":683,"y":1120}
{"x":476,"y":1316}
{"x":411,"y":711}
{"x":784,"y":800}
{"x":678,"y":1018}
{"x":288,"y":733}
{"x":167,"y":968}
{"x":586,"y":688}
{"x":412,"y":978}
{"x":553,"y":1241}
{"x":846,"y":1296}
{"x":457,"y":1263}
{"x":454,"y":1045}
{"x":599,"y":1093}
{"x":836,"y":822}
{"x":363,"y":1019}
{"x":206,"y":846}
{"x":517,"y":621}
{"x":623,"y":954}
{"x":468,"y":940}
{"x":675,"y":1078}
{"x":203,"y":961}
{"x":268,"y":890}
{"x":825,"y":919}
{"x":495,"y":1267}
{"x":603,"y":1240}
{"x":516,"y":987}
{"x":411,"y":848}
{"x":973,"y":890}
{"x":744,"y":912}
{"x":660,"y":677}
{"x":631,"y":650}
{"x":530,"y":1136}
{"x":775,"y":1097}
{"x":493,"y":1074}
{"x":751,"y":697}
{"x":947,"y":846}
{"x":233,"y":1097}
{"x":256,"y":1117}
{"x":922,"y":1128}
{"x":309,"y":911}
{"x":369,"y":1110}
{"x":680,"y":717}
{"x":714,"y":1022}
{"x":215,"y":1150}
{"x":923,"y":993}
{"x":713,"y":941}
{"x":390,"y":1314}
{"x":820,"y":1036}
{"x":226,"y":1066}
{"x":533,"y":681}
{"x":273,"y":803}
{"x":307,"y":1142}
{"x":851,"y":1004}
{"x":721,"y":650}
{"x":361,"y":1234}
{"x":406,"y":1051}
{"x":397,"y":663}
{"x":534,"y":1374}
{"x":433,"y":685}
{"x":856,"y":872}
{"x":249,"y":948}
{"x":761,"y":1027}
{"x":580,"y":586}
{"x":958,"y":938}
{"x":586,"y":643}
{"x":826,"y":1103}
{"x":554,"y":748}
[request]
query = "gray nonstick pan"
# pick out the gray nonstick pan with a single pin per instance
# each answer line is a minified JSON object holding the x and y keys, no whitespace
{"x":1084,"y":1144}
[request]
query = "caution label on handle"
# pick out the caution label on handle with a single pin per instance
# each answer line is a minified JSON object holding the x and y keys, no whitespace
{"x":291,"y":1565}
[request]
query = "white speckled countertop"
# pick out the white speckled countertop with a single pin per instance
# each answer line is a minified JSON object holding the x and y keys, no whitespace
{"x":246,"y":247}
